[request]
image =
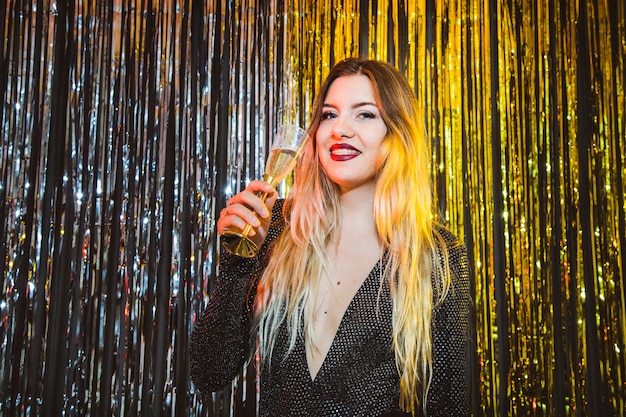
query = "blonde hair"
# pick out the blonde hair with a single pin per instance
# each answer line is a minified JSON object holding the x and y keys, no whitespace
{"x":403,"y":215}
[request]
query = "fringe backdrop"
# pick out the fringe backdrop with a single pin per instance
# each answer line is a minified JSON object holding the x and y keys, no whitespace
{"x":125,"y":125}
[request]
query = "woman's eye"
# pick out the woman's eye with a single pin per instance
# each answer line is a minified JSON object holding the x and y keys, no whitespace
{"x":367,"y":115}
{"x":328,"y":115}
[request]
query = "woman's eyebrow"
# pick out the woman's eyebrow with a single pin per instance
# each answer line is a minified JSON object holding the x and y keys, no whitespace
{"x":354,"y":106}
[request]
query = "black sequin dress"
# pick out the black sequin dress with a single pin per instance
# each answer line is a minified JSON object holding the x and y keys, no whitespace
{"x":358,"y":376}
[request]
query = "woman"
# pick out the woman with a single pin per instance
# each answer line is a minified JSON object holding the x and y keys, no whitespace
{"x":358,"y":303}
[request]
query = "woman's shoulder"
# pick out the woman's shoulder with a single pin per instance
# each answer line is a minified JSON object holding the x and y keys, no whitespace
{"x":277,"y":223}
{"x":277,"y":210}
{"x":446,"y":238}
{"x":452,"y":250}
{"x":278,"y":220}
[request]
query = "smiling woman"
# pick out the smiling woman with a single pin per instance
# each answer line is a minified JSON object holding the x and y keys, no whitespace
{"x":354,"y":281}
{"x":350,"y":133}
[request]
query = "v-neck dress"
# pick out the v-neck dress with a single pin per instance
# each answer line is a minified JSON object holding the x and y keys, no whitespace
{"x":358,"y":376}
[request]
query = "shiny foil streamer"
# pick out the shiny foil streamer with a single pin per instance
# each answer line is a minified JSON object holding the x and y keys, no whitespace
{"x":125,"y":125}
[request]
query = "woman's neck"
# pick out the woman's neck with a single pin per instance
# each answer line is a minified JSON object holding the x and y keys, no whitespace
{"x":357,"y":211}
{"x":361,"y":198}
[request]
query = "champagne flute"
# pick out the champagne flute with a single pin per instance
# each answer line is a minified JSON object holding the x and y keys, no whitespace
{"x":286,"y":147}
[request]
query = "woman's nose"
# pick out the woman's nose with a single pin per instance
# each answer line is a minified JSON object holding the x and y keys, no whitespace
{"x":342,"y":128}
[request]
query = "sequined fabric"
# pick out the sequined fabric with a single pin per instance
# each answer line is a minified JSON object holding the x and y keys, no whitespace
{"x":358,"y":376}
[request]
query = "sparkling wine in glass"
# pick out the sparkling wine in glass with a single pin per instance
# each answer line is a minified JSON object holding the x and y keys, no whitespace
{"x":286,"y":147}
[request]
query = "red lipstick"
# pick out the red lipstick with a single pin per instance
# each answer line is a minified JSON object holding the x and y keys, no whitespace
{"x":343,"y":152}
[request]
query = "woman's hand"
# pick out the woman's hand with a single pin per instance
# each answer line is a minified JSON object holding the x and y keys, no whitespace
{"x":247,"y":208}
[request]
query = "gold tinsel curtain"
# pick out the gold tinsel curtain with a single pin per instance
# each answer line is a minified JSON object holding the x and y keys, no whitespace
{"x":124,"y":126}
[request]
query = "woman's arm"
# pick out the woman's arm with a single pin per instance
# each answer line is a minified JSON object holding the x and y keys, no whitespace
{"x":449,"y":393}
{"x":220,"y":341}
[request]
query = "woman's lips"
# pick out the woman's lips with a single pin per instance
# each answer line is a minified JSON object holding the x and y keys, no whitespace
{"x":343,"y":152}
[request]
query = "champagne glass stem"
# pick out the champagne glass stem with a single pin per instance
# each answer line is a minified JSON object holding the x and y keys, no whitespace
{"x":246,"y":230}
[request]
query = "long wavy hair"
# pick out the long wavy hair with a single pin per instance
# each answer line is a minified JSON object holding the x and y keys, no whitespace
{"x":403,"y":212}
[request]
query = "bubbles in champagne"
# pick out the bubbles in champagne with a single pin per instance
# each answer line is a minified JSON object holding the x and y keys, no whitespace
{"x":279,"y":165}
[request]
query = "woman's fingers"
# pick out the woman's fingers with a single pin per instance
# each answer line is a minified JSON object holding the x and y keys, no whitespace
{"x":247,"y":208}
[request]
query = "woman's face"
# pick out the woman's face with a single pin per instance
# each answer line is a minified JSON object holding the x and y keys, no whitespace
{"x":350,"y":133}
